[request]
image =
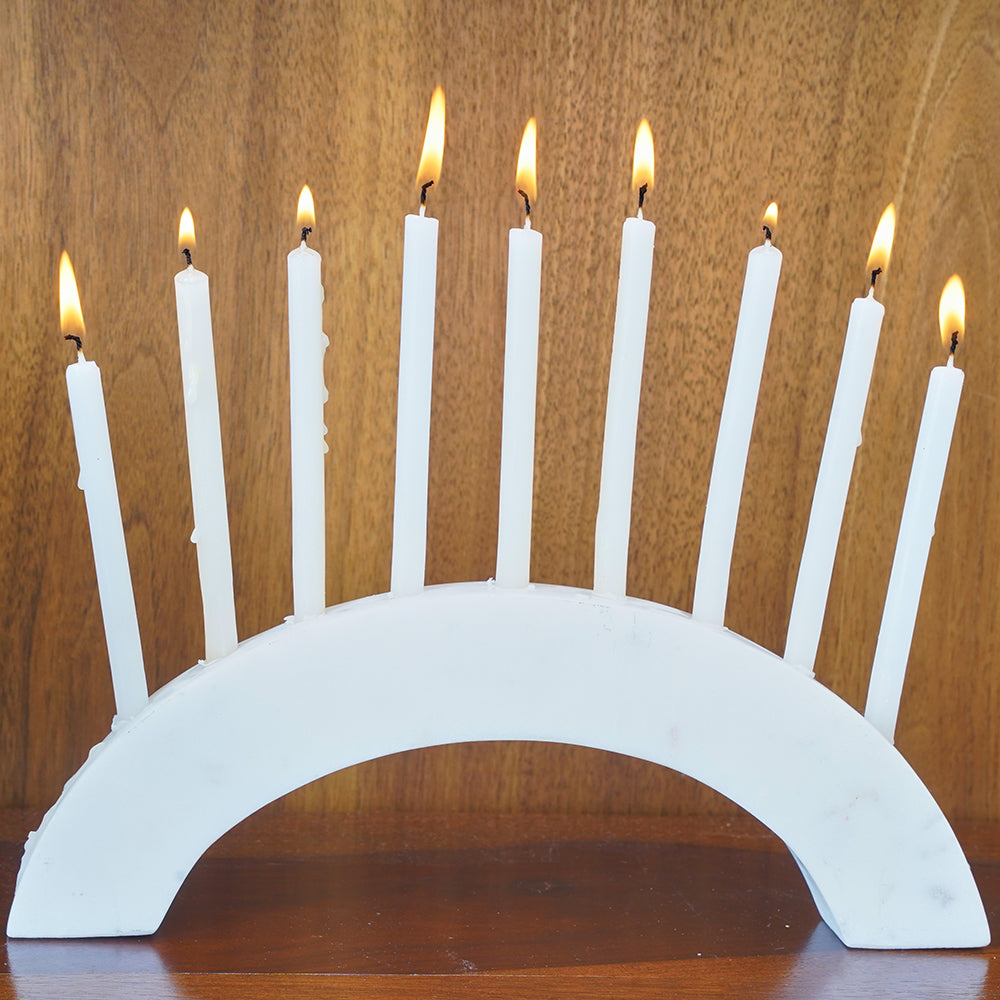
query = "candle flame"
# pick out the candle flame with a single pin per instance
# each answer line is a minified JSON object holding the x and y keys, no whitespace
{"x":429,"y":170}
{"x":642,"y":158}
{"x":526,"y":178}
{"x":70,"y":313}
{"x":185,"y":232}
{"x":306,"y":217}
{"x":882,"y":243}
{"x":951,"y":311}
{"x":770,"y":220}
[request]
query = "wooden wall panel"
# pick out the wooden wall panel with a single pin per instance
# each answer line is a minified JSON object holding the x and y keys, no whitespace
{"x":119,"y":114}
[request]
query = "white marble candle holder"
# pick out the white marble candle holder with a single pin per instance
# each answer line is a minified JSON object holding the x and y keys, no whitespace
{"x":467,"y":662}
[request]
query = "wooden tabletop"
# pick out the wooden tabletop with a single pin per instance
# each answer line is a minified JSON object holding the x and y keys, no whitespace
{"x":299,"y":905}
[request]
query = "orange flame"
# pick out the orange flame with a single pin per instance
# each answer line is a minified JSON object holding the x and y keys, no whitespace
{"x":185,"y":232}
{"x":70,"y":313}
{"x":642,"y":158}
{"x":306,"y":216}
{"x":882,"y":243}
{"x":951,"y":311}
{"x":429,"y":170}
{"x":526,"y":179}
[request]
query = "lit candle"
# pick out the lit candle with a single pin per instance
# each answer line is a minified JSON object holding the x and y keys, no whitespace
{"x":520,"y":371}
{"x":843,"y":437}
{"x":204,"y":441}
{"x":100,"y":490}
{"x":614,"y":508}
{"x":916,"y":528}
{"x":307,"y":344}
{"x":711,"y":585}
{"x":416,"y":368}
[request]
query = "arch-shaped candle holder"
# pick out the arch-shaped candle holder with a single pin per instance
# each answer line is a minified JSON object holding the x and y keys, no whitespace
{"x":473,"y":661}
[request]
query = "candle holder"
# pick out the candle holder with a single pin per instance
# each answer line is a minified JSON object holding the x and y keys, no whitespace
{"x":474,"y":661}
{"x":469,"y":662}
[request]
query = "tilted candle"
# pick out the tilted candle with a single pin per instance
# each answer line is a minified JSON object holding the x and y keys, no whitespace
{"x":520,"y":374}
{"x":916,"y":528}
{"x":725,"y":488}
{"x":100,"y":490}
{"x":204,"y":441}
{"x":614,"y":508}
{"x":416,"y":369}
{"x":843,"y":437}
{"x":306,"y":346}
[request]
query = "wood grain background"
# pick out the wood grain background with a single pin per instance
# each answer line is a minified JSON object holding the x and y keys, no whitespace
{"x":117,"y":114}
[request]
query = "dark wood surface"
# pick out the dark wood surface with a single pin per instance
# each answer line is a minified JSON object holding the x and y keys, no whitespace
{"x":117,"y":114}
{"x":492,"y":906}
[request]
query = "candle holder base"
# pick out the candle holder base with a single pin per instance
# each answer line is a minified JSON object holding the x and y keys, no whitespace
{"x":470,"y":662}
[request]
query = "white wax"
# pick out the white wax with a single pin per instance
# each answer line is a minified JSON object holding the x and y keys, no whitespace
{"x":114,"y":582}
{"x":204,"y":440}
{"x":916,"y":529}
{"x":725,"y":488}
{"x":520,"y":375}
{"x":843,"y":437}
{"x":307,"y":344}
{"x":413,"y":412}
{"x":614,"y":508}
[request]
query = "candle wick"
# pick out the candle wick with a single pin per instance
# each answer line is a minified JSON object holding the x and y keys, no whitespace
{"x":767,"y":233}
{"x":306,"y":230}
{"x":187,"y":255}
{"x":79,"y":345}
{"x":875,"y":274}
{"x":954,"y":343}
{"x":527,"y":205}
{"x":642,"y":197}
{"x":423,"y":192}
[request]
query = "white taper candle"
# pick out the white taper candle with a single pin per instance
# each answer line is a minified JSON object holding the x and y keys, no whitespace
{"x":100,"y":490}
{"x":307,"y":344}
{"x":843,"y":437}
{"x":204,"y":441}
{"x":416,"y":368}
{"x":614,"y":508}
{"x":520,"y":375}
{"x":760,"y":286}
{"x":916,"y":527}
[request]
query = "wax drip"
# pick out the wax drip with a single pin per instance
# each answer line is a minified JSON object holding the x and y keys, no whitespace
{"x":527,"y":204}
{"x":187,"y":255}
{"x":423,"y":192}
{"x":306,"y":230}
